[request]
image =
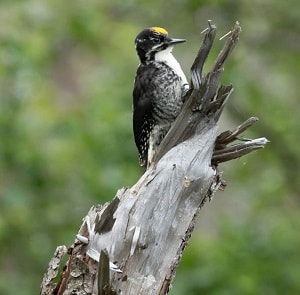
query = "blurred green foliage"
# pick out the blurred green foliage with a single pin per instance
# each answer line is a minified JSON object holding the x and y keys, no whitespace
{"x":66,"y":76}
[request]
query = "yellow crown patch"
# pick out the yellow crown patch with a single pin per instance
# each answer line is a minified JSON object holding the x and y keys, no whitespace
{"x":160,"y":30}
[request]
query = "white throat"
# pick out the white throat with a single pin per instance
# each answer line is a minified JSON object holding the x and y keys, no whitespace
{"x":167,"y":57}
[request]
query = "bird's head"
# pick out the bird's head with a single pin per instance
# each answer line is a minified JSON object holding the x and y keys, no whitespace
{"x":152,"y":40}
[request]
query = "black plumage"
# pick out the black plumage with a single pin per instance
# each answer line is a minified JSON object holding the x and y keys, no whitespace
{"x":158,"y":90}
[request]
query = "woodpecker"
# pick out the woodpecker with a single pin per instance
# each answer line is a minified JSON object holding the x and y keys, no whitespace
{"x":158,"y":92}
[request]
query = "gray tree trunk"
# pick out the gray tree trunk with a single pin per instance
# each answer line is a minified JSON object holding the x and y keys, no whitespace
{"x":134,"y":244}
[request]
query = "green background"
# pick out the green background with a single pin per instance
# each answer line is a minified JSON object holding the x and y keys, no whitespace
{"x":66,"y":76}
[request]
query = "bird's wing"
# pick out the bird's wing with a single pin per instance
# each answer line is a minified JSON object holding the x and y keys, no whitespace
{"x":142,"y":109}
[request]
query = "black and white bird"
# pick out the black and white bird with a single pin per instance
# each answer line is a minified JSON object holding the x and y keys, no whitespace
{"x":159,"y":87}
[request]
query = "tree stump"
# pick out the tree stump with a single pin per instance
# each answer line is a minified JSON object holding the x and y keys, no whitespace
{"x":134,"y":244}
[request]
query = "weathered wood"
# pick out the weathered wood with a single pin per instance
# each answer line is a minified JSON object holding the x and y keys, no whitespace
{"x":142,"y":233}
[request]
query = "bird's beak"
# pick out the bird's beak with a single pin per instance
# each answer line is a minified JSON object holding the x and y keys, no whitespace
{"x":173,"y":41}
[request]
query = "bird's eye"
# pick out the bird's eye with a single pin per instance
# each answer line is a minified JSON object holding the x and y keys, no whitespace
{"x":156,"y":40}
